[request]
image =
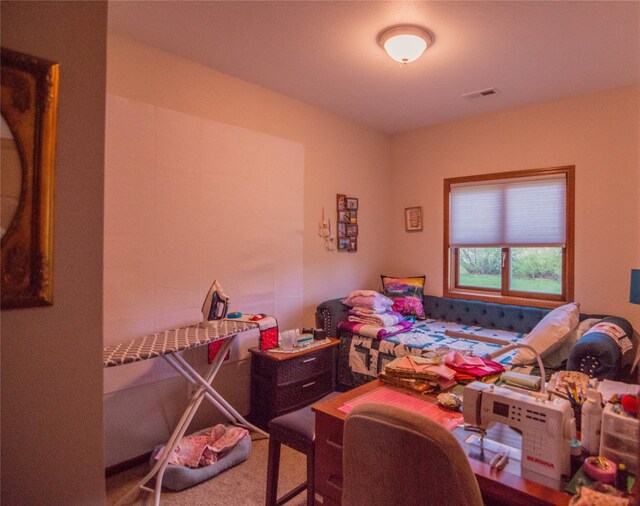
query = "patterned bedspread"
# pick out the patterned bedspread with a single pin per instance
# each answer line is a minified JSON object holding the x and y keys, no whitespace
{"x":363,"y":358}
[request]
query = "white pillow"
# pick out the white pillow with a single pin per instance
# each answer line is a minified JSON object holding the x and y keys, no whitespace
{"x":552,"y":330}
{"x":557,"y":354}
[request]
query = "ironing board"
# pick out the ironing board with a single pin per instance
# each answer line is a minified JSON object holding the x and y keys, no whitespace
{"x":169,"y":345}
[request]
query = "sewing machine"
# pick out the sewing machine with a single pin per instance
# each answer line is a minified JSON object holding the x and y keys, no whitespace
{"x":547,"y":427}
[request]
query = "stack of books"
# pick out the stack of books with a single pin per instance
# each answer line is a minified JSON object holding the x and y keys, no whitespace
{"x":418,"y":374}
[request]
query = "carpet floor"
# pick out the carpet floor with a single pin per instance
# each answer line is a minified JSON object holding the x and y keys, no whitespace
{"x":242,"y":485}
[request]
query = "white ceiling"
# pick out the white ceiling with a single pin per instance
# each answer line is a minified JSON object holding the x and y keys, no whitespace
{"x":325,"y":52}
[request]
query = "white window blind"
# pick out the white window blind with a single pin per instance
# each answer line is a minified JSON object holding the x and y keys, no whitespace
{"x":509,"y":213}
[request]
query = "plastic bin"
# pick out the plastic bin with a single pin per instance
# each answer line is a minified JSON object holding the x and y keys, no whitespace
{"x":619,"y":438}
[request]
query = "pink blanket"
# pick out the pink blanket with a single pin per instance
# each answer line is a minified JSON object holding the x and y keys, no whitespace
{"x":374,"y":331}
{"x":204,"y":449}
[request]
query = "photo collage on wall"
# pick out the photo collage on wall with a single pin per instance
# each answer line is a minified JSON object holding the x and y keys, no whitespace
{"x":347,"y":223}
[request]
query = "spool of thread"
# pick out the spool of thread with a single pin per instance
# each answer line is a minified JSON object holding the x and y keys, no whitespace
{"x":319,"y":334}
{"x":576,"y":455}
{"x":622,"y":478}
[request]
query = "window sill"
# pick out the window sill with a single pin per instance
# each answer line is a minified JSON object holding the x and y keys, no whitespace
{"x":502,"y":299}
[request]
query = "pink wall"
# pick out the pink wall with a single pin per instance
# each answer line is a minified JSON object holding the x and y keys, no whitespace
{"x":339,"y":156}
{"x":52,"y":427}
{"x":598,"y":133}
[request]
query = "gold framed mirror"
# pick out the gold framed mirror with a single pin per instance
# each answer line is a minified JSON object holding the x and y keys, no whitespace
{"x":29,"y":114}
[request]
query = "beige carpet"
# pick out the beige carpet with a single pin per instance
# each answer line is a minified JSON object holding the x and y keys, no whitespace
{"x":242,"y":485}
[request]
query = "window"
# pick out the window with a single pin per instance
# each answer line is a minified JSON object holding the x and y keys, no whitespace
{"x":509,"y":237}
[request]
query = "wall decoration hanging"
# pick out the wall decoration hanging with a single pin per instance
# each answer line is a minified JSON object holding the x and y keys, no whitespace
{"x":347,"y":212}
{"x":413,"y":219}
{"x":324,"y":231}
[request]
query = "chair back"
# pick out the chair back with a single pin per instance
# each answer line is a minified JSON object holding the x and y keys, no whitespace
{"x":393,"y":457}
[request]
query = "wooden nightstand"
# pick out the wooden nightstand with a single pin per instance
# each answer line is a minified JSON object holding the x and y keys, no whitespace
{"x":284,"y":382}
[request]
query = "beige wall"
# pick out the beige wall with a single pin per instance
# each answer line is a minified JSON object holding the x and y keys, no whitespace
{"x":340,"y":156}
{"x":52,"y":429}
{"x":598,"y":133}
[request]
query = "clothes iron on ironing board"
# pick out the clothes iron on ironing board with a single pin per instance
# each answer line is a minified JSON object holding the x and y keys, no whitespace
{"x":215,"y":305}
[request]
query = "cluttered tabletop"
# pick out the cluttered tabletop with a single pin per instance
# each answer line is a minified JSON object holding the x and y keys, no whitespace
{"x":574,"y":436}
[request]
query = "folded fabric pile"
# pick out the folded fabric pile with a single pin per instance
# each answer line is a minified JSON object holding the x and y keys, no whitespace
{"x":469,"y":368}
{"x":204,"y":449}
{"x":371,"y":315}
{"x":419,"y":374}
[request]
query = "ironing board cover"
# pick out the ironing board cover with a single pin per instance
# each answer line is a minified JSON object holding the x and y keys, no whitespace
{"x":171,"y":341}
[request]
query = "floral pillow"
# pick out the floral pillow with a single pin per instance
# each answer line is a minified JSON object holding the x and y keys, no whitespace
{"x":406,"y":294}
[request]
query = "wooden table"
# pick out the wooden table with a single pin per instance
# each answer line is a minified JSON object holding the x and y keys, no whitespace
{"x":497,"y":487}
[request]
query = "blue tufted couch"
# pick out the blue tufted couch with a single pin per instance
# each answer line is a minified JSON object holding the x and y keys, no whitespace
{"x":595,"y":353}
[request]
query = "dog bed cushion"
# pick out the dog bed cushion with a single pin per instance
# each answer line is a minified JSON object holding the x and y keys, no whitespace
{"x":178,"y":477}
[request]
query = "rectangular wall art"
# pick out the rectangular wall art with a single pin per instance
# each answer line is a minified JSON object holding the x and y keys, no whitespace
{"x":347,"y":209}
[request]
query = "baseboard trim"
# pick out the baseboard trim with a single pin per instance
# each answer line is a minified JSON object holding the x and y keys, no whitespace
{"x":127,"y":464}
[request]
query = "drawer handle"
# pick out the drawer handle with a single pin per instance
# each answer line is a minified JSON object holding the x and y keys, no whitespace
{"x":333,"y":444}
{"x":309,"y":360}
{"x":335,"y":480}
{"x":308,"y":384}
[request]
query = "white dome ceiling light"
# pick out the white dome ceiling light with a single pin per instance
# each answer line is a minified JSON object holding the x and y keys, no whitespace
{"x":405,"y":43}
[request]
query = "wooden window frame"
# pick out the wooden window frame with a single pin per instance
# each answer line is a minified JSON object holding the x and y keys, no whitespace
{"x":504,"y":295}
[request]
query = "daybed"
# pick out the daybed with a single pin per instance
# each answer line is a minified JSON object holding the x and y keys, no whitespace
{"x":360,"y":359}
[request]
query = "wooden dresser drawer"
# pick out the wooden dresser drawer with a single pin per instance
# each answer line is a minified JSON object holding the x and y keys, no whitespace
{"x":282,"y":383}
{"x":297,"y":368}
{"x":302,"y":393}
{"x":328,"y":459}
{"x":303,"y":367}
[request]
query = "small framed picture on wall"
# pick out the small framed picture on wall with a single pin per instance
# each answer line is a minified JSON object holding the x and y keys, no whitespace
{"x":413,"y":219}
{"x":347,"y":214}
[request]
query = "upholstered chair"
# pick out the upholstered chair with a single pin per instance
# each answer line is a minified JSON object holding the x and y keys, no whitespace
{"x":393,"y":457}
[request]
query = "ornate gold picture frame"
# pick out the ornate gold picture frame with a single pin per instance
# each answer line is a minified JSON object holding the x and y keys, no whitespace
{"x":29,"y":108}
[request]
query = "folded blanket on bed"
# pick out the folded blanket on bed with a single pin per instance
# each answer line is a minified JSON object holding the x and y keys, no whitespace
{"x":387,"y":319}
{"x":366,"y":311}
{"x":373,"y":331}
{"x":470,"y":367}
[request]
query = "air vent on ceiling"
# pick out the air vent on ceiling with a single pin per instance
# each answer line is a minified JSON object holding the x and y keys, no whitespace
{"x":482,"y":93}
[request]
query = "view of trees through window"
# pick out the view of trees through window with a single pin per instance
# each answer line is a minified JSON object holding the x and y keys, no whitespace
{"x":532,"y":269}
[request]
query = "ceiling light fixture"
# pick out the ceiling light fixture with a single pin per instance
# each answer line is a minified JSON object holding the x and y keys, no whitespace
{"x":405,"y":43}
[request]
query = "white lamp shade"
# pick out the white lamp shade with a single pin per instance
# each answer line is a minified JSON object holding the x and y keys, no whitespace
{"x":405,"y":44}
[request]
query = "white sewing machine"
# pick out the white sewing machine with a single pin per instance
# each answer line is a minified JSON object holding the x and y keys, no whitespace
{"x":547,"y":427}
